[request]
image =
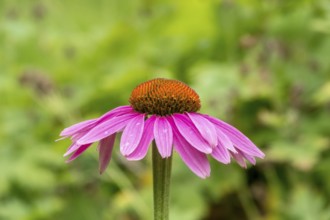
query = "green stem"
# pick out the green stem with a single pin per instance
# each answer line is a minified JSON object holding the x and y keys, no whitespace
{"x":161,"y":181}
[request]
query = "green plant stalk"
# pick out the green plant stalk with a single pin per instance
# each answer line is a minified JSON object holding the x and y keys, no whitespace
{"x":161,"y":181}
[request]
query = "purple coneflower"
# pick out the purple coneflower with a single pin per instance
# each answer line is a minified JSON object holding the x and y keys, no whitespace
{"x":165,"y":111}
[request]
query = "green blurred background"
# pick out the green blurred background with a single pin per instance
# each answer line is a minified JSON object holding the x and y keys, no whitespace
{"x":263,"y":66}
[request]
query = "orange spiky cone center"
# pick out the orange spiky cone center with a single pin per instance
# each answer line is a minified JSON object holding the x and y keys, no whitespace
{"x":164,"y":97}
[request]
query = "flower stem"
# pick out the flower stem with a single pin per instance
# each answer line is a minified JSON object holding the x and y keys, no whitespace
{"x":161,"y":180}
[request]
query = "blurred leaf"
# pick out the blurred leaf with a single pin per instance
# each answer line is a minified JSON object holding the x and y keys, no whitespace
{"x":306,"y":205}
{"x":302,"y":154}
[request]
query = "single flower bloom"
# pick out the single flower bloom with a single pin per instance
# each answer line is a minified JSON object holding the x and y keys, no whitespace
{"x":165,"y":111}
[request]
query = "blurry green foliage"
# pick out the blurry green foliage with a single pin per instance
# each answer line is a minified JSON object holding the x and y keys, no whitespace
{"x":260,"y":65}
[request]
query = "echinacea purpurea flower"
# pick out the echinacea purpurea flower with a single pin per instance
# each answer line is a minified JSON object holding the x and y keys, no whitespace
{"x":165,"y":111}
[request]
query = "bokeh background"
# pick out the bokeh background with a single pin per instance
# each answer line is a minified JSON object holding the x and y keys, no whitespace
{"x":263,"y":66}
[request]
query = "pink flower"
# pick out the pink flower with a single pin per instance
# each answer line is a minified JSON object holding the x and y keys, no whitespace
{"x":164,"y":111}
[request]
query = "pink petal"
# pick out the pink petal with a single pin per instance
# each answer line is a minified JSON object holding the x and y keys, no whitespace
{"x":78,"y":152}
{"x":78,"y":127}
{"x":75,"y":137}
{"x":205,"y":128}
{"x":74,"y":146}
{"x":132,"y":135}
{"x":190,"y":133}
{"x":147,"y":136}
{"x":89,"y":124}
{"x":72,"y":149}
{"x":237,"y":138}
{"x":225,"y":141}
{"x":239,"y":159}
{"x":106,"y":128}
{"x":121,"y":110}
{"x":105,"y":151}
{"x":194,"y":159}
{"x":163,"y":136}
{"x":250,"y":158}
{"x":221,"y":154}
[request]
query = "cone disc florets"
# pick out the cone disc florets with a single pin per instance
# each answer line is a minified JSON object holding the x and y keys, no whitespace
{"x":164,"y":97}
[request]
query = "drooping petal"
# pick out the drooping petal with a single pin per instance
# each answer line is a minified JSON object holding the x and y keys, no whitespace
{"x":147,"y":136}
{"x":105,"y":151}
{"x":89,"y":124}
{"x":106,"y":128}
{"x":73,"y":129}
{"x":194,"y":159}
{"x":237,"y":138}
{"x":121,"y":110}
{"x":239,"y":159}
{"x":72,"y":149}
{"x":221,"y":154}
{"x":205,"y":128}
{"x":74,"y":146}
{"x":163,"y":136}
{"x":78,"y":152}
{"x":132,"y":135}
{"x":225,"y":141}
{"x":190,"y":133}
{"x":250,"y":158}
{"x":78,"y":135}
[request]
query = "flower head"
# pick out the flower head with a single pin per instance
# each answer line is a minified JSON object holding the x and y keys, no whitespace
{"x":165,"y":111}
